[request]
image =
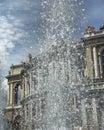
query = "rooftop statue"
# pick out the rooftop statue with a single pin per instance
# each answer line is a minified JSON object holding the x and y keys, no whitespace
{"x":90,"y":29}
{"x":102,"y":27}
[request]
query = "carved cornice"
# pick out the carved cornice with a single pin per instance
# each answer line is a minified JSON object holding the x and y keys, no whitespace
{"x":95,"y":40}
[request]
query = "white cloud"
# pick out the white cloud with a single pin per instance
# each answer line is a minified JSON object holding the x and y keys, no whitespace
{"x":4,"y":85}
{"x":20,"y":4}
{"x":8,"y":34}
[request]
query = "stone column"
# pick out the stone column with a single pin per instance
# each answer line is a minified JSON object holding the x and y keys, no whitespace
{"x":84,"y":116}
{"x":94,"y":110}
{"x":94,"y":114}
{"x":23,"y":89}
{"x":30,"y":87}
{"x":95,"y":62}
{"x":11,"y":94}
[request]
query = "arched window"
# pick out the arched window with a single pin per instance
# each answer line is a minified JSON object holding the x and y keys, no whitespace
{"x":17,"y":94}
{"x":102,"y":61}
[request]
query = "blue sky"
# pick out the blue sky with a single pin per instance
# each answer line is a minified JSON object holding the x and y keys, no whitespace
{"x":20,"y":23}
{"x":94,"y":12}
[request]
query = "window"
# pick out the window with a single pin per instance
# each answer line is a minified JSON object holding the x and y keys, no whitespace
{"x":17,"y":122}
{"x":33,"y":109}
{"x":27,"y":110}
{"x":74,"y":100}
{"x":17,"y":95}
{"x":102,"y":61}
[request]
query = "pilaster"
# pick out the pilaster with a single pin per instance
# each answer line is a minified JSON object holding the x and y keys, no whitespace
{"x":95,"y":62}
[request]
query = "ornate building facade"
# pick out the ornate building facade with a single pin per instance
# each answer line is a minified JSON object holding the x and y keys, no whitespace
{"x":67,"y":77}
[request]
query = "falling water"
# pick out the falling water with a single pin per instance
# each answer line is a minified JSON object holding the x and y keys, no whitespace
{"x":60,"y":22}
{"x":61,"y":19}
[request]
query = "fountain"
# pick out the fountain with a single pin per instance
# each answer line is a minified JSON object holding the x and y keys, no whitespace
{"x":60,"y":87}
{"x":56,"y":69}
